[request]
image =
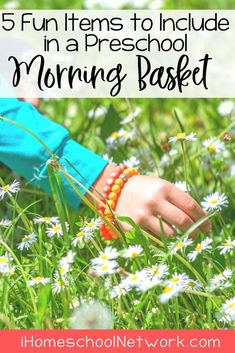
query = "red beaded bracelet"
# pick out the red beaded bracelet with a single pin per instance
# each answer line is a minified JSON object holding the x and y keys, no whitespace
{"x":111,"y":193}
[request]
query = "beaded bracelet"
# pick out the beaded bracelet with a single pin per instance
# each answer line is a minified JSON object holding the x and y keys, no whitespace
{"x":111,"y":194}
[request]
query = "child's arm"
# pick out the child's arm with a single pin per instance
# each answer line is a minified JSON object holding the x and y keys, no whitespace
{"x":25,"y":155}
{"x":142,"y":198}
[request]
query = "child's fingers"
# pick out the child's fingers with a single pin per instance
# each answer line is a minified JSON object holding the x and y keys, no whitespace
{"x":187,"y":204}
{"x":175,"y":216}
{"x":153,"y":225}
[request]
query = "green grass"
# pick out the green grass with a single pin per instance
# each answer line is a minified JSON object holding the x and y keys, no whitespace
{"x":25,"y":306}
{"x":38,"y":307}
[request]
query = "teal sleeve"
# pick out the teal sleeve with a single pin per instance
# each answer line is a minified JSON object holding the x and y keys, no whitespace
{"x":21,"y":152}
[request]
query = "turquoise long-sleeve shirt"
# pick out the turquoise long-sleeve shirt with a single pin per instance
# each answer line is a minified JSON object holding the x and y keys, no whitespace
{"x":21,"y":152}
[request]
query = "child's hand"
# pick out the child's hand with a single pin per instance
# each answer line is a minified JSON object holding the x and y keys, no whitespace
{"x":144,"y":198}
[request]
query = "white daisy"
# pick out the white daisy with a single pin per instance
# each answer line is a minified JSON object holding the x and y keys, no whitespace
{"x":5,"y":223}
{"x":106,"y":268}
{"x":27,"y":241}
{"x":109,"y":253}
{"x":91,"y":226}
{"x":79,"y":238}
{"x":55,"y":229}
{"x":68,"y":259}
{"x":180,"y":244}
{"x":46,"y":220}
{"x":220,"y":281}
{"x":168,"y":293}
{"x":228,"y":309}
{"x":178,"y":280}
{"x":5,"y":264}
{"x":157,"y":271}
{"x":193,"y":285}
{"x":226,"y":107}
{"x":97,"y":113}
{"x":9,"y":189}
{"x":62,"y":271}
{"x":118,"y":291}
{"x":182,"y":186}
{"x":199,"y":248}
{"x":148,"y":283}
{"x":60,"y":283}
{"x":214,"y":201}
{"x":154,"y":277}
{"x":182,"y":136}
{"x":133,"y":280}
{"x":109,"y":159}
{"x":119,"y":138}
{"x":132,"y":162}
{"x":131,"y":116}
{"x":214,"y":146}
{"x":228,"y":246}
{"x":38,"y":280}
{"x":132,"y":251}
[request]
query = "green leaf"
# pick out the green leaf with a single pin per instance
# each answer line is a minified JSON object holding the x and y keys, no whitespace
{"x":178,"y":120}
{"x":111,"y":123}
{"x":43,"y":298}
{"x":139,"y":235}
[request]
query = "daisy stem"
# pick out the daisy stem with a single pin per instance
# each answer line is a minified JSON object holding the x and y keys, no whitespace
{"x":185,"y":163}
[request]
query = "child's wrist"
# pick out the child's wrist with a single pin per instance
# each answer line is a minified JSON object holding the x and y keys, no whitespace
{"x":99,"y":184}
{"x":111,"y":191}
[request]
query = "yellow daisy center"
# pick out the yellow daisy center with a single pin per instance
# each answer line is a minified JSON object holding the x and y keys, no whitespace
{"x":46,"y":219}
{"x":228,"y":244}
{"x":191,"y":284}
{"x":231,"y":305}
{"x":180,"y":245}
{"x":134,"y":278}
{"x":3,"y":260}
{"x":167,"y":290}
{"x":56,"y":228}
{"x":90,"y":225}
{"x":155,"y":271}
{"x":175,"y":279}
{"x":181,"y":135}
{"x":198,"y":247}
{"x":6,"y":188}
{"x":214,"y":202}
{"x":104,"y":268}
{"x":134,"y":254}
{"x":212,"y":149}
{"x":115,"y":135}
{"x":37,"y":279}
{"x":104,"y":257}
{"x":221,"y":276}
{"x":80,"y":234}
{"x":26,"y":238}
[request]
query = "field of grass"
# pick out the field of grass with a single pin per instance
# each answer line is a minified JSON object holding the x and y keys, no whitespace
{"x":54,"y":266}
